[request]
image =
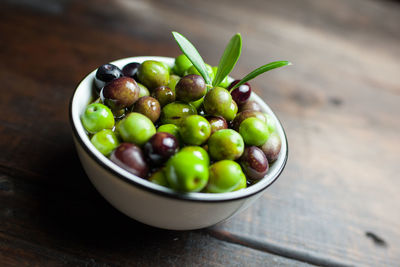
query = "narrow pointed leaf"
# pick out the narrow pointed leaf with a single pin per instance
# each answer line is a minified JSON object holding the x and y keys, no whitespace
{"x":192,"y":54}
{"x":229,"y":58}
{"x":261,"y":70}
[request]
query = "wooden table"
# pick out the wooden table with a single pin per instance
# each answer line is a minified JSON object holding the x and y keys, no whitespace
{"x":337,"y":202}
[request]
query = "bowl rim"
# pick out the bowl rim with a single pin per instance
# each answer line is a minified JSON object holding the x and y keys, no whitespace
{"x":136,"y":181}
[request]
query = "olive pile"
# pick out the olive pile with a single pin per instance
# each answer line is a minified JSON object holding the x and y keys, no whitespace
{"x":168,"y":126}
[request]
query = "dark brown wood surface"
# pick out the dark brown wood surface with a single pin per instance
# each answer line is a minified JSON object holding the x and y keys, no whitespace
{"x":337,"y":202}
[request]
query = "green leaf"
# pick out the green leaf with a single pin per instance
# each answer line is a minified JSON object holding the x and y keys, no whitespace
{"x":229,"y":58}
{"x":261,"y":70}
{"x":192,"y":54}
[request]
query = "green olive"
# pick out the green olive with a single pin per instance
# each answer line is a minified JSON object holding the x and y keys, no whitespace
{"x":97,"y":117}
{"x":159,"y":178}
{"x":143,"y":90}
{"x":182,"y":63}
{"x":225,"y":176}
{"x":153,"y":74}
{"x":195,"y":130}
{"x":225,"y":82}
{"x":173,"y":80}
{"x":105,"y":141}
{"x":176,"y":111}
{"x":254,"y":131}
{"x":193,"y":70}
{"x":136,"y":128}
{"x":225,"y":144}
{"x":199,"y":152}
{"x":218,"y":102}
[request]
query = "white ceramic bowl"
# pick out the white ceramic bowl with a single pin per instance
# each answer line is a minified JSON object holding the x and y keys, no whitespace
{"x":153,"y":204}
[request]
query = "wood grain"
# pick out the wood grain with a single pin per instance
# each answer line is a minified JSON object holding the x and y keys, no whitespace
{"x":339,"y":104}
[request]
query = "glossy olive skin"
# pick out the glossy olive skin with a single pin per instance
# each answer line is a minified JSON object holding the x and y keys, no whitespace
{"x":149,"y":107}
{"x":182,"y":63}
{"x":120,"y":93}
{"x":217,"y":123}
{"x":190,"y":88}
{"x":130,"y":157}
{"x":270,"y":122}
{"x":131,"y":69}
{"x":244,"y":115}
{"x":173,"y":80}
{"x":225,"y":144}
{"x":169,"y":128}
{"x":217,"y":102}
{"x":254,"y":163}
{"x":175,"y":112}
{"x":240,"y":94}
{"x":195,"y":130}
{"x":254,"y":131}
{"x":250,"y":105}
{"x":105,"y":141}
{"x":160,"y":147}
{"x":225,"y":176}
{"x":232,"y":111}
{"x":272,"y":147}
{"x":136,"y":128}
{"x":164,"y":95}
{"x":97,"y":117}
{"x":143,"y":90}
{"x":185,"y":172}
{"x":105,"y":74}
{"x":153,"y":74}
{"x":199,"y":152}
{"x":159,"y":178}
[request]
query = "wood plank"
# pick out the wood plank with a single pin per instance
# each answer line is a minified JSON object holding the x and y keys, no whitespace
{"x":338,"y":103}
{"x":43,"y":224}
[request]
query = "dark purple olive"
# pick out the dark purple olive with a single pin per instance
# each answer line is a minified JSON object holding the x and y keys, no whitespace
{"x":190,"y":88}
{"x":130,"y":70}
{"x":254,"y":163}
{"x":272,"y":147}
{"x":164,"y":95}
{"x":149,"y":107}
{"x":250,"y":105}
{"x":120,"y":93}
{"x":130,"y":157}
{"x":240,"y":94}
{"x":105,"y":74}
{"x":244,"y":115}
{"x":161,"y":147}
{"x":217,"y":123}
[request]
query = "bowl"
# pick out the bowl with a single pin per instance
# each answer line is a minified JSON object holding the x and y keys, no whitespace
{"x":153,"y":204}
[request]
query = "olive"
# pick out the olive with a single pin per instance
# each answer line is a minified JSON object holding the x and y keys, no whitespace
{"x":250,"y":105}
{"x":136,"y":128}
{"x":149,"y":107}
{"x":131,"y":69}
{"x":159,"y":178}
{"x":97,"y":117}
{"x":153,"y":74}
{"x":143,"y":90}
{"x":175,"y":112}
{"x":218,"y":102}
{"x":173,"y":80}
{"x":182,"y":63}
{"x":217,"y":123}
{"x":244,"y":115}
{"x":160,"y":147}
{"x":105,"y":141}
{"x":190,"y":88}
{"x":270,"y":122}
{"x":240,"y":94}
{"x":120,"y":93}
{"x":225,"y":81}
{"x":186,"y":172}
{"x":193,"y":70}
{"x":164,"y":95}
{"x":232,"y":111}
{"x":105,"y":74}
{"x":272,"y":147}
{"x":225,"y":144}
{"x":254,"y":163}
{"x":169,"y":128}
{"x":130,"y":157}
{"x":195,"y":130}
{"x":225,"y":176}
{"x":199,"y":152}
{"x":254,"y":131}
